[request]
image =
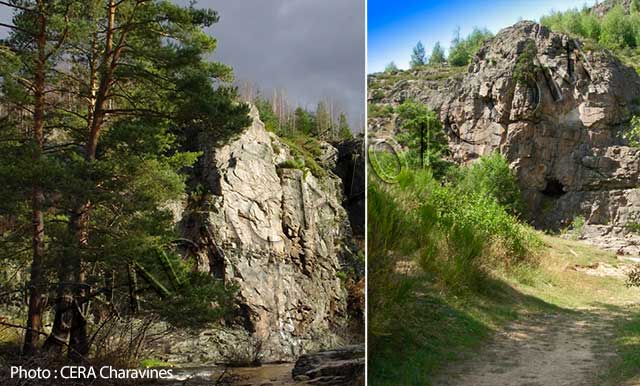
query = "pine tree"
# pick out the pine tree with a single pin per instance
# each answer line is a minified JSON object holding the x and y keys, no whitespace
{"x":304,"y":121}
{"x":132,"y":112}
{"x":418,"y":56}
{"x":344,"y":131}
{"x":391,"y":67}
{"x":323,"y":121}
{"x":437,"y":55}
{"x":27,"y":58}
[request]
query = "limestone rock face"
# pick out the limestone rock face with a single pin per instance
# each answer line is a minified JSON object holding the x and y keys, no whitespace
{"x":561,"y":130}
{"x":278,"y":233}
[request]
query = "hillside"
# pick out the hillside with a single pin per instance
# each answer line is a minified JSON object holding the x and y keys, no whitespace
{"x":533,"y":133}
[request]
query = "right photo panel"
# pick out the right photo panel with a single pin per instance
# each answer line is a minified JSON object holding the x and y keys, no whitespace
{"x":503,"y":197}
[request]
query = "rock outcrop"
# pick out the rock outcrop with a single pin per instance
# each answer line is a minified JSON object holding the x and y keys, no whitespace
{"x":561,"y":128}
{"x":339,"y":367}
{"x":279,"y":233}
{"x":350,"y":168}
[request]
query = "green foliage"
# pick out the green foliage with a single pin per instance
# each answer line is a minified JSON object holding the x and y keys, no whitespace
{"x":159,"y":101}
{"x":633,"y":134}
{"x":379,"y":111}
{"x":461,"y":231}
{"x":267,"y":115}
{"x":526,"y":70}
{"x":421,"y":125}
{"x":344,"y":131}
{"x":418,"y":56}
{"x":292,"y":164}
{"x":391,"y":67}
{"x":462,"y":50}
{"x":575,"y":228}
{"x":491,"y":176}
{"x":305,"y":151}
{"x":305,"y":121}
{"x":456,"y":237}
{"x":437,"y":55}
{"x":633,"y":227}
{"x":616,"y":30}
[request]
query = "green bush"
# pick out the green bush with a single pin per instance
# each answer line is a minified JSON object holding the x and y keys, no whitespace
{"x":379,"y":111}
{"x":633,"y":134}
{"x":492,"y":176}
{"x":616,"y":30}
{"x":458,"y":231}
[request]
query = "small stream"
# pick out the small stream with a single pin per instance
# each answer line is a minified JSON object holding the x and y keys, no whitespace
{"x":265,"y":375}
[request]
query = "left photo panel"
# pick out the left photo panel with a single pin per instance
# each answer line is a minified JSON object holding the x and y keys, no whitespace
{"x":182,"y":192}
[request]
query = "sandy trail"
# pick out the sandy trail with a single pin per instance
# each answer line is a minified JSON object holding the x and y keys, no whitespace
{"x":562,"y":349}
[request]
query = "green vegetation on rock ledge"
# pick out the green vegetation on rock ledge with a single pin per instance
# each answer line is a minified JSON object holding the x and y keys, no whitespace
{"x":618,"y":29}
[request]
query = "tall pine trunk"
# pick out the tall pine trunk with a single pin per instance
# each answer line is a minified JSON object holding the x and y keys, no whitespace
{"x":72,"y":323}
{"x":37,"y":294}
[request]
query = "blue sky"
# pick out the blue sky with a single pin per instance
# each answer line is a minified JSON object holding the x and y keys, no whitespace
{"x":396,"y":26}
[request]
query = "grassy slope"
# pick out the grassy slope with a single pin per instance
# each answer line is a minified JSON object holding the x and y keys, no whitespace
{"x":445,"y":326}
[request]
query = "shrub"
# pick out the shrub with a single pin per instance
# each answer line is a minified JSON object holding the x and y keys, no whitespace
{"x":492,"y":176}
{"x":576,"y":227}
{"x":379,"y":110}
{"x":525,"y":70}
{"x":633,"y":134}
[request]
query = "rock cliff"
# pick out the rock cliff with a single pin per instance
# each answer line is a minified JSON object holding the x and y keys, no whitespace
{"x":281,"y":235}
{"x":557,"y":112}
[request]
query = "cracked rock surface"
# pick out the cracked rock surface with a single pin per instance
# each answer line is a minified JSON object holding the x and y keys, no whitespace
{"x":562,"y":133}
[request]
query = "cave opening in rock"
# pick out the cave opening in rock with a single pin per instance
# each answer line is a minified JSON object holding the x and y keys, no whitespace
{"x":554,"y":188}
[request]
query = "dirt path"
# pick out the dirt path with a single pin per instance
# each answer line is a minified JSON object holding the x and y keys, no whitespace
{"x":562,"y":348}
{"x":541,"y":350}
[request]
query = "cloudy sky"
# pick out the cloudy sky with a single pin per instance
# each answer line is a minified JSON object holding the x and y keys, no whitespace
{"x":313,"y":49}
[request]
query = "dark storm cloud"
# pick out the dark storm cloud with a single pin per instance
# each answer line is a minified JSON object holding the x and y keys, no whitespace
{"x":313,"y":49}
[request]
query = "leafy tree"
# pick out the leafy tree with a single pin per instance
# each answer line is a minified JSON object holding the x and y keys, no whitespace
{"x":391,"y":67}
{"x":491,"y":176}
{"x":27,"y":58}
{"x":437,"y":55}
{"x":418,"y":56}
{"x":617,"y":29}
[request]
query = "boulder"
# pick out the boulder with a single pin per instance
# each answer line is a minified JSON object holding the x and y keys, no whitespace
{"x":339,"y":367}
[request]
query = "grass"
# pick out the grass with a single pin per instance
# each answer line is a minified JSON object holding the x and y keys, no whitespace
{"x":627,"y":340}
{"x":304,"y":150}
